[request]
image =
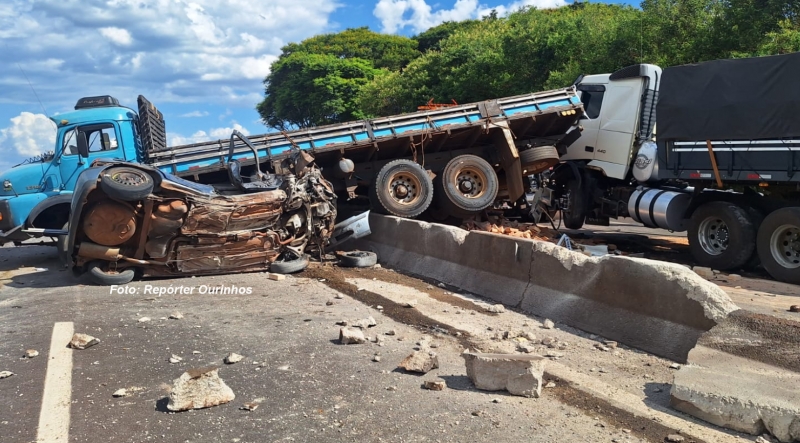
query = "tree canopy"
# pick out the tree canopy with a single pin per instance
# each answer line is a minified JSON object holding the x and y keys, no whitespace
{"x":357,"y":73}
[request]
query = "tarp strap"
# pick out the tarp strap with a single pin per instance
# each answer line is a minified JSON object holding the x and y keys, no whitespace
{"x":714,"y":163}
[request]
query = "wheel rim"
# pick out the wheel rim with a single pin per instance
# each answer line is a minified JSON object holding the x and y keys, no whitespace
{"x":128,"y":178}
{"x":404,"y":188}
{"x":784,"y":245}
{"x":470,"y":182}
{"x":713,"y":236}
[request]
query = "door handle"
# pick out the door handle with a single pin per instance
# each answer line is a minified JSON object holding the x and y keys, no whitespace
{"x":590,"y":149}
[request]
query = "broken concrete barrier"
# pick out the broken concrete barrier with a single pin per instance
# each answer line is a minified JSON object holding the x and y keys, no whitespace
{"x":197,"y":389}
{"x":516,"y":373}
{"x":744,"y":375}
{"x":662,"y":308}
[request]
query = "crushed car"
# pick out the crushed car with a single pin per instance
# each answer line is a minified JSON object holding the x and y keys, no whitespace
{"x":130,"y":220}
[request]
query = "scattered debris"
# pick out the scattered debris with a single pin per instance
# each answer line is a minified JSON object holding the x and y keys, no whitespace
{"x":82,"y":341}
{"x":391,"y":332}
{"x":30,"y":353}
{"x":409,"y":303}
{"x":548,"y":324}
{"x":794,"y":308}
{"x":391,"y":388}
{"x":497,"y":400}
{"x":144,"y":319}
{"x":276,"y":277}
{"x":364,"y":323}
{"x":706,"y":273}
{"x":124,"y":392}
{"x":5,"y":374}
{"x":376,"y":358}
{"x":251,"y":406}
{"x":420,"y":361}
{"x":674,"y":366}
{"x":233,"y":358}
{"x":337,"y":296}
{"x":601,"y":347}
{"x":675,"y":438}
{"x":349,"y":336}
{"x":611,"y":344}
{"x":553,"y":354}
{"x":435,"y":385}
{"x":733,"y":277}
{"x":176,"y":315}
{"x":175,"y":359}
{"x":442,"y":285}
{"x":497,"y":309}
{"x":518,"y":374}
{"x":199,"y":388}
{"x":283,"y":368}
{"x":550,"y":384}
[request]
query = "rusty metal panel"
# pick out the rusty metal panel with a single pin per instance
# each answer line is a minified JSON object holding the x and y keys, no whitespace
{"x":231,"y":255}
{"x":231,"y":213}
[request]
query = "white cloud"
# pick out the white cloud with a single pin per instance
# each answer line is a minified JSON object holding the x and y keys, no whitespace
{"x":194,"y":114}
{"x":28,"y":135}
{"x":203,"y":136}
{"x":201,"y":51}
{"x":117,"y":36}
{"x":396,"y":15}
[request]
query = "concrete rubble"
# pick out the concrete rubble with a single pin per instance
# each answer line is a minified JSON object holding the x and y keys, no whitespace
{"x":420,"y":361}
{"x":176,"y":315}
{"x":232,"y":358}
{"x":31,"y":353}
{"x":5,"y":374}
{"x":435,"y":385}
{"x":518,"y":374}
{"x":197,"y":389}
{"x":82,"y":341}
{"x":350,"y":336}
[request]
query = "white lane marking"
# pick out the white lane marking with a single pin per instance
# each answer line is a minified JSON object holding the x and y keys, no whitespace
{"x":54,"y":416}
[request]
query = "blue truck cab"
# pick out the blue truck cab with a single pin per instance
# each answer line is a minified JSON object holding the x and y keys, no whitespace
{"x":36,"y":194}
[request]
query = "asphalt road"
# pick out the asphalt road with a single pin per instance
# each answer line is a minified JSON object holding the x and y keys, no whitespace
{"x":311,"y":388}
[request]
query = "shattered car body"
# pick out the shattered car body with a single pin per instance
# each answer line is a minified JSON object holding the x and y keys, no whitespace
{"x":129,"y":220}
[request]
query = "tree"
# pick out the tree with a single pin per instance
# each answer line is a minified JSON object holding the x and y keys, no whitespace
{"x":305,"y":90}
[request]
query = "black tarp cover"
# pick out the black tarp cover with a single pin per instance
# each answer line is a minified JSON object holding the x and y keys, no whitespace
{"x":740,"y":99}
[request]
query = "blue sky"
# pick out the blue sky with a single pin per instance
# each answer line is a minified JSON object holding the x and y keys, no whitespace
{"x":201,"y":62}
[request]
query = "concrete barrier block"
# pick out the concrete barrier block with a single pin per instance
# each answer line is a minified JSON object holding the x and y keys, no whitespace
{"x":659,"y":307}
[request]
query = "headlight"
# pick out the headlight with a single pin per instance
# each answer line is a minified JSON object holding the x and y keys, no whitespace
{"x":7,"y":185}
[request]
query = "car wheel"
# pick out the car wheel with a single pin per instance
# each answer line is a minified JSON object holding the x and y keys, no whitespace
{"x":358,"y":259}
{"x":126,"y":184}
{"x":289,"y":263}
{"x":99,"y":274}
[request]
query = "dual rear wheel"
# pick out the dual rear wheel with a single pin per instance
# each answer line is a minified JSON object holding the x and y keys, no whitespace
{"x":727,"y":236}
{"x":467,"y":185}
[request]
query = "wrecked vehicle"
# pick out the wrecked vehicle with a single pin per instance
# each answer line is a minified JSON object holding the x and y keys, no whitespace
{"x":131,"y":220}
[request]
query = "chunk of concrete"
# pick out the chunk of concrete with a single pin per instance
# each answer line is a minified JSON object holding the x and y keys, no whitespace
{"x":420,"y":361}
{"x":82,"y":341}
{"x":197,"y":389}
{"x":518,"y":374}
{"x":350,"y":336}
{"x":739,"y":394}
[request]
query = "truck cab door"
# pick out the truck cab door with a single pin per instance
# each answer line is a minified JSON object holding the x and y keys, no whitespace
{"x":102,"y":141}
{"x":585,"y":147}
{"x":618,"y":123}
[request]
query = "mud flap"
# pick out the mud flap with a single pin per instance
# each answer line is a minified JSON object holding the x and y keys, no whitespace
{"x":509,"y":159}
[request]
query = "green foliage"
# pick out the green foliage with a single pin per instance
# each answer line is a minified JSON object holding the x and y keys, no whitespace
{"x":307,"y":90}
{"x":364,"y":74}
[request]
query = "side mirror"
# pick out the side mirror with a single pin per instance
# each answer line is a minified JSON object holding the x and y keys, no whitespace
{"x":83,"y":145}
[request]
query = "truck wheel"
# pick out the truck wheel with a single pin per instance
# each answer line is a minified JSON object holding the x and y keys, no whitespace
{"x":102,"y":277}
{"x":126,"y":184}
{"x":469,"y":183}
{"x":539,"y":159}
{"x":721,"y":236}
{"x":404,"y":188}
{"x":779,"y":244}
{"x":575,"y":214}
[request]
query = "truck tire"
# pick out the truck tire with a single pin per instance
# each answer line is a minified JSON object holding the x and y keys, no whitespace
{"x":101,"y":277}
{"x":721,"y":236}
{"x":539,"y":159}
{"x":358,"y":259}
{"x":403,"y":188}
{"x":289,"y":263}
{"x":469,"y":183}
{"x":575,"y":214}
{"x":126,"y":184}
{"x":778,"y":244}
